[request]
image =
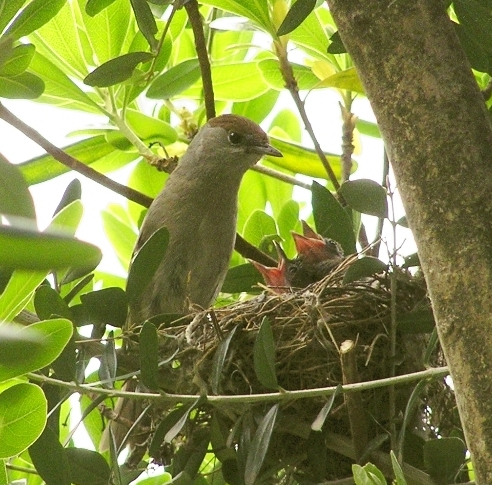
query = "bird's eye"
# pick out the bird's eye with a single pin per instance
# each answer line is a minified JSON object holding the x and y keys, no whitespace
{"x":292,"y":270}
{"x":235,"y":137}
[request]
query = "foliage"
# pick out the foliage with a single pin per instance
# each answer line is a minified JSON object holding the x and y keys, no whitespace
{"x":110,"y":58}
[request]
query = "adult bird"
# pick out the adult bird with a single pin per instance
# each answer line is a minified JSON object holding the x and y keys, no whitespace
{"x":198,"y":206}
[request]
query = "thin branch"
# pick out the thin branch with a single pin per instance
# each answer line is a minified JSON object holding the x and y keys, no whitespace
{"x":202,"y":53}
{"x":291,"y":85}
{"x":284,"y":396}
{"x":280,"y":176}
{"x":348,"y":127}
{"x":71,"y":162}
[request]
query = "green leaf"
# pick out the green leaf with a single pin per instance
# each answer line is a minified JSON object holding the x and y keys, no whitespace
{"x":363,"y":268}
{"x":420,"y":320}
{"x":365,"y":196}
{"x":296,"y":15}
{"x":264,"y":356}
{"x":18,"y":292}
{"x":89,"y":151}
{"x":443,"y":458}
{"x":368,"y":128}
{"x":240,"y":279}
{"x":164,"y":426}
{"x":331,"y":219}
{"x":23,"y":408}
{"x":336,"y":45}
{"x":33,"y":16}
{"x":259,"y":446}
{"x":93,"y":7}
{"x":106,"y":306}
{"x":400,"y":478}
{"x":299,"y":159}
{"x":257,"y":109}
{"x":121,"y":236}
{"x":348,"y":79}
{"x":369,"y":474}
{"x":411,"y":260}
{"x":26,"y":349}
{"x":178,"y":425}
{"x":255,"y":10}
{"x":259,"y":225}
{"x":32,"y":250}
{"x":48,"y":302}
{"x":146,"y":262}
{"x":110,"y":31}
{"x":270,"y":72}
{"x":219,"y":359}
{"x":18,"y":61}
{"x":109,"y":361}
{"x":318,"y":423}
{"x":72,"y":193}
{"x":289,"y":123}
{"x":49,"y":458}
{"x":145,"y":21}
{"x":116,"y":70}
{"x":15,"y":198}
{"x":175,"y":80}
{"x":87,"y":467}
{"x":149,"y":355}
{"x":150,"y":129}
{"x":8,"y":9}
{"x":59,"y":89}
{"x":22,"y":86}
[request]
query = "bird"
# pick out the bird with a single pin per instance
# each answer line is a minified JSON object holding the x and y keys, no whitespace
{"x":198,"y":206}
{"x":316,"y":257}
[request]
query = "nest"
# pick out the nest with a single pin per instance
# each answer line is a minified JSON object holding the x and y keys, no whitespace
{"x":309,"y":326}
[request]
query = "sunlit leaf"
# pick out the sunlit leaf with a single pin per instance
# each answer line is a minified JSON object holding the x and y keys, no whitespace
{"x":149,"y":128}
{"x":270,"y":72}
{"x":23,"y":409}
{"x":8,"y":9}
{"x":348,"y":79}
{"x":18,"y":61}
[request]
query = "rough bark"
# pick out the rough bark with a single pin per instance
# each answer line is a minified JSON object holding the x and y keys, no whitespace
{"x":439,"y":139}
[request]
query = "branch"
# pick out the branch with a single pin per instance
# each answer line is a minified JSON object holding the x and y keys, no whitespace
{"x":201,"y":50}
{"x":284,"y":396}
{"x":72,"y":162}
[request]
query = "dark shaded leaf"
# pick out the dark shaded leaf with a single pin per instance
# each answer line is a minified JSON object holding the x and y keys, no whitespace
{"x":116,"y":70}
{"x":146,"y":262}
{"x":241,"y":278}
{"x":219,"y":432}
{"x":316,"y":454}
{"x":15,"y":198}
{"x":417,"y":321}
{"x":259,"y":446}
{"x":47,"y":303}
{"x":109,"y":363}
{"x":201,"y":439}
{"x":50,"y":460}
{"x":443,"y":458}
{"x":65,"y":365}
{"x":106,"y":306}
{"x":23,"y":409}
{"x":336,"y":45}
{"x":264,"y":356}
{"x":175,"y":80}
{"x":93,"y":7}
{"x":18,"y":61}
{"x":33,"y":16}
{"x":365,"y":196}
{"x":22,"y":86}
{"x":411,"y":261}
{"x":87,"y":467}
{"x":318,"y":423}
{"x":219,"y":359}
{"x":163,"y":428}
{"x":148,"y":352}
{"x":331,"y":219}
{"x":363,"y":268}
{"x":145,"y":21}
{"x":72,"y":192}
{"x":296,"y":15}
{"x":403,"y":222}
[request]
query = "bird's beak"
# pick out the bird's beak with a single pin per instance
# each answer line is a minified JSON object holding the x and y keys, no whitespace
{"x":269,"y":150}
{"x":306,"y":245}
{"x":308,"y":232}
{"x":272,"y":276}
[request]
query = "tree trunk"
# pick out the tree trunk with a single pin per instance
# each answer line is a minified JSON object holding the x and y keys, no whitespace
{"x":439,"y":139}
